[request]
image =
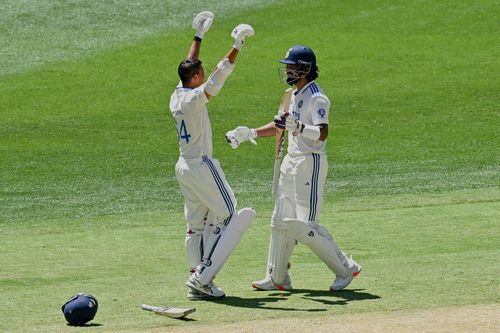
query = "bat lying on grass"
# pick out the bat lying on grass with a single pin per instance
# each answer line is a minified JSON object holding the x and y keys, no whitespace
{"x":168,"y":311}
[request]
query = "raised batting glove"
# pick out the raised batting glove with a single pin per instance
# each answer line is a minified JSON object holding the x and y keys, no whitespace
{"x":293,"y":125}
{"x":202,"y":23}
{"x":241,"y":134}
{"x":239,"y":34}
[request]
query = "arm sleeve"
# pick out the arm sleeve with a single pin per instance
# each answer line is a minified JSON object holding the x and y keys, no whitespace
{"x":320,"y":110}
{"x":218,"y":77}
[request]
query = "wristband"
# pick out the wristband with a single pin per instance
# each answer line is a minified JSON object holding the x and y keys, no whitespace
{"x":197,"y":39}
{"x":238,"y":44}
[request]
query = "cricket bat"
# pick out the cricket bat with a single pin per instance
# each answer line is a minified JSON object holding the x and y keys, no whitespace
{"x":280,"y":141}
{"x":168,"y":311}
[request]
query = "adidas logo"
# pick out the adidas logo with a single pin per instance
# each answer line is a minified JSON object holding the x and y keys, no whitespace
{"x":307,"y":184}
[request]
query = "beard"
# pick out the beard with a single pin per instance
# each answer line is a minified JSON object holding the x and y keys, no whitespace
{"x":291,"y":80}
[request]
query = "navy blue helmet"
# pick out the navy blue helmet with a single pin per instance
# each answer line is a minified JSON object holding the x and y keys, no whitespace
{"x":299,"y":55}
{"x":80,"y":309}
{"x":299,"y":61}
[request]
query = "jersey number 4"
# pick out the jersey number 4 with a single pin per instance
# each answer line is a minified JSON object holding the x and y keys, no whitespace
{"x":183,"y":134}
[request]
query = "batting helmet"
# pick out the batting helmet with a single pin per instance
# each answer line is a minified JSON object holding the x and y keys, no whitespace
{"x":303,"y":60}
{"x":299,"y":55}
{"x":80,"y":309}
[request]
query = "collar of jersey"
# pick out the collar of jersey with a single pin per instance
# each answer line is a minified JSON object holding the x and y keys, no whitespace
{"x":304,"y":88}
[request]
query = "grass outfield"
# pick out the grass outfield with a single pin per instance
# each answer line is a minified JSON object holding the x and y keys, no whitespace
{"x":418,"y":252}
{"x":88,"y":197}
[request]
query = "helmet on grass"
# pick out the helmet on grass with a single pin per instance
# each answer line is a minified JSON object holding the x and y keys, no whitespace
{"x":80,"y":309}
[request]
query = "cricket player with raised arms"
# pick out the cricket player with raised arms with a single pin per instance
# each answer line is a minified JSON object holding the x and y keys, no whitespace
{"x":301,"y":176}
{"x":214,"y":225}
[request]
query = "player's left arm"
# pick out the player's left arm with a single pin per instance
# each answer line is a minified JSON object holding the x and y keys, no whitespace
{"x":323,"y":132}
{"x":320,"y":113}
{"x":226,"y":65}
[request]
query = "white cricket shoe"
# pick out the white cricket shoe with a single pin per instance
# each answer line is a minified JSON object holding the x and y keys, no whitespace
{"x":209,"y":289}
{"x":268,"y":284}
{"x":341,"y":282}
{"x":195,"y":295}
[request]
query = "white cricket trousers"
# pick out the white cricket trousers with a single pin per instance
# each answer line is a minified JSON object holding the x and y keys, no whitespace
{"x":204,"y":187}
{"x":301,"y":186}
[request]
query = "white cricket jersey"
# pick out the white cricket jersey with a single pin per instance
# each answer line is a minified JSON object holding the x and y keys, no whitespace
{"x":311,"y":106}
{"x":191,"y":119}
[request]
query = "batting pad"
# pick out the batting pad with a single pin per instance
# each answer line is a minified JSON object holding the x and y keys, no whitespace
{"x":208,"y":230}
{"x":319,"y":240}
{"x":224,"y":245}
{"x":280,"y":249}
{"x":194,"y":247}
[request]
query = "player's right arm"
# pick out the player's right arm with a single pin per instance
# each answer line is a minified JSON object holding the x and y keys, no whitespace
{"x":241,"y":134}
{"x":267,"y":130}
{"x":201,"y":23}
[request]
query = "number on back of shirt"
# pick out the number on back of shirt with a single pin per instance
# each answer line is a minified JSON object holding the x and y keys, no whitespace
{"x":183,"y":134}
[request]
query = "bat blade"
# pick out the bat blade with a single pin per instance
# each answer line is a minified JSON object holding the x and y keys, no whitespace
{"x":280,"y":133}
{"x":280,"y":141}
{"x":168,"y":311}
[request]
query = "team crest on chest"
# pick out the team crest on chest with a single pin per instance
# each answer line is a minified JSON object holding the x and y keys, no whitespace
{"x":300,"y":104}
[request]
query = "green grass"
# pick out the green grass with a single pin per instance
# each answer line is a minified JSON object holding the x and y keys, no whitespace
{"x":88,"y":196}
{"x":424,"y":251}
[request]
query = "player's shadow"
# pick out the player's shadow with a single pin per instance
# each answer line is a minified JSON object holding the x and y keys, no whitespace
{"x":326,"y":297}
{"x":346,"y":296}
{"x":260,"y":303}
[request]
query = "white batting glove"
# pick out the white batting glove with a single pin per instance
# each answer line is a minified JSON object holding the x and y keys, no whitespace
{"x":240,"y":32}
{"x":202,"y":23}
{"x":241,"y":134}
{"x":293,"y":125}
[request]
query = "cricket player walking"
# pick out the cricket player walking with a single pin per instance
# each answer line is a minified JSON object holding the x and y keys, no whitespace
{"x":214,"y":226}
{"x":299,"y":197}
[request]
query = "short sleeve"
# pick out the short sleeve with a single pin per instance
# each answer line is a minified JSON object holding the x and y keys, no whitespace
{"x":197,"y":96}
{"x":320,"y":110}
